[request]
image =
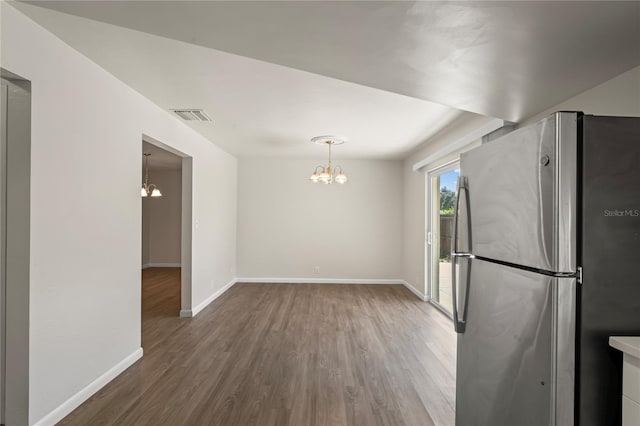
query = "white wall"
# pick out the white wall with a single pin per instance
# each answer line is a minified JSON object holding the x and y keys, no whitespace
{"x":162,"y":220}
{"x":288,"y":225}
{"x":618,"y":96}
{"x":86,"y":211}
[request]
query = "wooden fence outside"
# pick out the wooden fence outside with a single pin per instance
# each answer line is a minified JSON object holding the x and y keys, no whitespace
{"x":446,"y":233}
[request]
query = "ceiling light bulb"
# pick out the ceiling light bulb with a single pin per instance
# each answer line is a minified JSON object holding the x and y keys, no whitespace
{"x":156,"y":193}
{"x":143,"y":192}
{"x":341,"y":178}
{"x":314,"y":177}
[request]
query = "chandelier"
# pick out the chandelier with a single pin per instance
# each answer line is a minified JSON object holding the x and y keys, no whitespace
{"x":328,"y":174}
{"x":148,"y":190}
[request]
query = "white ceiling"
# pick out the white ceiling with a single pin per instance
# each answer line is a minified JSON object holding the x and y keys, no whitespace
{"x":389,"y":75}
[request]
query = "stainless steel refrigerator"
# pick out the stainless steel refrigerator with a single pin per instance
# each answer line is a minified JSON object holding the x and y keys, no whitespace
{"x":546,"y":261}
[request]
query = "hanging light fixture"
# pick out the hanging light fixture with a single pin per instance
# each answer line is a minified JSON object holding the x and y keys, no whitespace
{"x":148,"y":190}
{"x":328,"y":174}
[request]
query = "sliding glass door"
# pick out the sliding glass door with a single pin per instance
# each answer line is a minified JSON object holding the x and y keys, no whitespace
{"x":441,"y":193}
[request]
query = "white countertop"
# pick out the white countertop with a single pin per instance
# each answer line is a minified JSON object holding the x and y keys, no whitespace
{"x":628,"y":344}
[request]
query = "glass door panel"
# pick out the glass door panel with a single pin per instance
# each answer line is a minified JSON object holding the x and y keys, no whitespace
{"x":442,"y":196}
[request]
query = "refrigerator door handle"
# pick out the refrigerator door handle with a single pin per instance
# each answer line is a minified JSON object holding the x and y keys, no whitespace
{"x":460,"y":316}
{"x":459,"y":321}
{"x":463,"y":188}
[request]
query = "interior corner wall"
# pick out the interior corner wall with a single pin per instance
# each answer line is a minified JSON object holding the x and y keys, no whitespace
{"x":162,"y":219}
{"x":288,"y":226}
{"x":85,"y":218}
{"x":618,"y":96}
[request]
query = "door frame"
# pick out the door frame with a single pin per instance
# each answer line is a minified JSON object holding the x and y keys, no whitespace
{"x":4,"y":96}
{"x":15,"y":253}
{"x":186,"y":301}
{"x":429,"y":233}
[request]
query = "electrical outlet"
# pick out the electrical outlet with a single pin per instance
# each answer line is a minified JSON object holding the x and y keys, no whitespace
{"x":316,"y":270}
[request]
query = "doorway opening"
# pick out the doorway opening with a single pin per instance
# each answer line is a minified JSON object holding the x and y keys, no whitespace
{"x":166,"y":231}
{"x":441,"y":196}
{"x":15,"y":204}
{"x":3,"y":236}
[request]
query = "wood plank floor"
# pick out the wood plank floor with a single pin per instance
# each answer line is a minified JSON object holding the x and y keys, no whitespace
{"x":284,"y":354}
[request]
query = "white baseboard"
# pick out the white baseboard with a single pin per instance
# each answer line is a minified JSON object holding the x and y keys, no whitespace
{"x":161,"y":265}
{"x":75,"y":400}
{"x":188,"y":313}
{"x":281,"y":280}
{"x":415,"y":291}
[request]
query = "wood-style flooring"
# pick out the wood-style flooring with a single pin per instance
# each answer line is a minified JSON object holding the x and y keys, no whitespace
{"x":284,"y":354}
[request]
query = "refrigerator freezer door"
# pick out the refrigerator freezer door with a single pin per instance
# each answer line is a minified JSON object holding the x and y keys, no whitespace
{"x":516,"y":356}
{"x":522,"y":192}
{"x":610,"y":295}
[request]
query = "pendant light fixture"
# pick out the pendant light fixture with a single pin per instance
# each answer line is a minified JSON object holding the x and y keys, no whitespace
{"x":148,"y":190}
{"x":328,"y":174}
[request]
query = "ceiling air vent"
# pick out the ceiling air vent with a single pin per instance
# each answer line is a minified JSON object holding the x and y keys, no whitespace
{"x":192,"y":114}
